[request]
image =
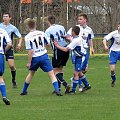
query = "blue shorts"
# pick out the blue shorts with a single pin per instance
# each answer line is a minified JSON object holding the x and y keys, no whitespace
{"x":2,"y":64}
{"x":114,"y":56}
{"x":43,"y":62}
{"x":78,"y":62}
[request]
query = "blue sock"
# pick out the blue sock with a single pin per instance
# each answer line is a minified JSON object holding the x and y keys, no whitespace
{"x":84,"y":80}
{"x":3,"y":89}
{"x":80,"y":82}
{"x":113,"y":77}
{"x":25,"y":87}
{"x":55,"y":85}
{"x":75,"y":82}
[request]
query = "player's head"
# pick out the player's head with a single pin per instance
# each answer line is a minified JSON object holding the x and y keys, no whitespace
{"x":82,"y":19}
{"x":75,"y":31}
{"x":51,"y":20}
{"x":31,"y":24}
{"x":6,"y":17}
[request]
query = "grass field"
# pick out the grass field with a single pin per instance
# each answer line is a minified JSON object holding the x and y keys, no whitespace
{"x":102,"y":102}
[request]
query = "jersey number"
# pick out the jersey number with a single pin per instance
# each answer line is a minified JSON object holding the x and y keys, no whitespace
{"x":39,"y":43}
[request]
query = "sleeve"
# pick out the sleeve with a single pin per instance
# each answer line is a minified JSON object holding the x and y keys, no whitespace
{"x":28,"y":44}
{"x":109,"y":36}
{"x":73,"y":44}
{"x":46,"y":39}
{"x":17,"y":33}
{"x":47,"y":34}
{"x":92,"y":34}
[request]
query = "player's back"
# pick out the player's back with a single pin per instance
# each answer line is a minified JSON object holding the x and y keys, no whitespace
{"x":57,"y":31}
{"x":36,"y":41}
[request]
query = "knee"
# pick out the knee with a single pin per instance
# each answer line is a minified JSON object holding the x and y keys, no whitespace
{"x":112,"y":72}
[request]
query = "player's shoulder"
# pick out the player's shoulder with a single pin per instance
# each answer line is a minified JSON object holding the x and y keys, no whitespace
{"x":113,"y":32}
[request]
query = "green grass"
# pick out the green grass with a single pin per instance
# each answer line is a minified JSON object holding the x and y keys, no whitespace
{"x":99,"y":103}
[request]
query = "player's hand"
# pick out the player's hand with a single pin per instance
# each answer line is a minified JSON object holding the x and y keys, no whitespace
{"x":92,"y":51}
{"x":55,"y":43}
{"x":106,"y":48}
{"x":28,"y":65}
{"x":18,"y":47}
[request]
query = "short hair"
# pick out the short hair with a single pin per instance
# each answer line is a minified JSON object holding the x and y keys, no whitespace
{"x":83,"y":15}
{"x":7,"y":14}
{"x":31,"y":24}
{"x":76,"y":30}
{"x":51,"y":19}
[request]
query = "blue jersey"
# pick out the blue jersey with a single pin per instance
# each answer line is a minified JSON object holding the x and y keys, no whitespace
{"x":57,"y":32}
{"x":11,"y":30}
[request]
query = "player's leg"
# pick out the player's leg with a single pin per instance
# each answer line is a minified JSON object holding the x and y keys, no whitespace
{"x":113,"y":57}
{"x":54,"y":82}
{"x":27,"y":82}
{"x":2,"y":83}
{"x":10,"y":58}
{"x":113,"y":75}
{"x":13,"y":71}
{"x":58,"y":64}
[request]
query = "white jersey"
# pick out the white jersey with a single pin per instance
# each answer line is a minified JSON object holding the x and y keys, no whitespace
{"x":77,"y":46}
{"x":4,"y":40}
{"x":115,"y":40}
{"x":36,"y":40}
{"x":86,"y":33}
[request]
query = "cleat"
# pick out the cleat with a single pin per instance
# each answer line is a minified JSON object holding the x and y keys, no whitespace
{"x":23,"y":93}
{"x":57,"y":93}
{"x":14,"y":84}
{"x":6,"y":101}
{"x":86,"y":88}
{"x":113,"y":83}
{"x":80,"y":88}
{"x":72,"y":92}
{"x":67,"y":89}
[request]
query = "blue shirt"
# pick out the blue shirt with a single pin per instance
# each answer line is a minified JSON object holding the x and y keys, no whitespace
{"x":11,"y":30}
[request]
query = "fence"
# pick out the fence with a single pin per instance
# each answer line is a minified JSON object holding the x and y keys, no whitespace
{"x":97,"y":41}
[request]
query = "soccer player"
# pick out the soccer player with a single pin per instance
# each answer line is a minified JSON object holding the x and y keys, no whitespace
{"x":37,"y":56}
{"x":114,"y":53}
{"x":5,"y":45}
{"x":87,"y":34}
{"x":59,"y":59}
{"x":11,"y":30}
{"x":76,"y":45}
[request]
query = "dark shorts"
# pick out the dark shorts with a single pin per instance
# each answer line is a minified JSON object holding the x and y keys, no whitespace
{"x":9,"y":54}
{"x":59,"y":58}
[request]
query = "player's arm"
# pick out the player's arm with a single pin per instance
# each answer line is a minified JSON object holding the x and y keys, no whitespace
{"x":91,"y":46}
{"x":65,"y":49}
{"x":105,"y":44}
{"x":19,"y":43}
{"x":30,"y":53}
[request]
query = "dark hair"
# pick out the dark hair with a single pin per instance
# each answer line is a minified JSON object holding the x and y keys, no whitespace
{"x":76,"y":30}
{"x":51,"y":19}
{"x":7,"y":14}
{"x":83,"y":15}
{"x":31,"y":24}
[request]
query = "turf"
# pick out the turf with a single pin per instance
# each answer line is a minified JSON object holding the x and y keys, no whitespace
{"x":99,"y":103}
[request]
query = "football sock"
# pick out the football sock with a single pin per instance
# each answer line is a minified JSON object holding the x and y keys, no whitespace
{"x":80,"y":82}
{"x":113,"y":77}
{"x":3,"y":89}
{"x":55,"y":85}
{"x":60,"y":78}
{"x":75,"y":82}
{"x":84,"y":80}
{"x":13,"y":75}
{"x":25,"y":87}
